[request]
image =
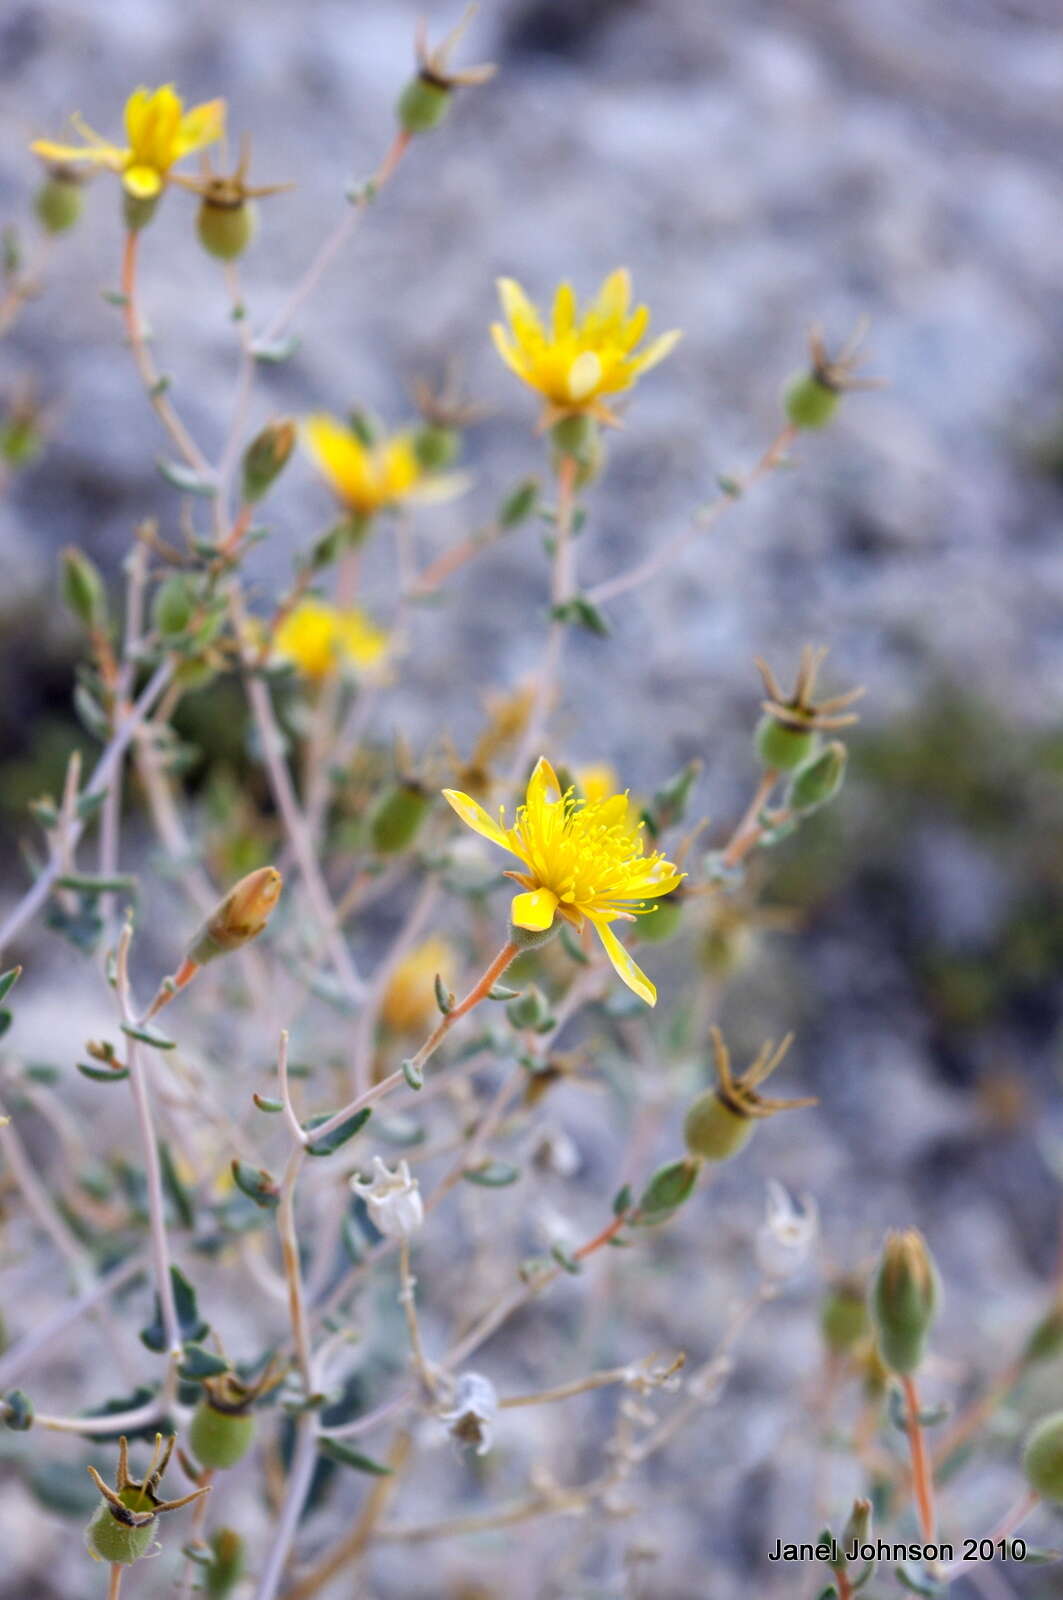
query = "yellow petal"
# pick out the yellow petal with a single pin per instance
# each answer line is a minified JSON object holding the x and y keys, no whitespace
{"x":534,"y":911}
{"x":614,"y":296}
{"x":623,"y":965}
{"x":103,"y":155}
{"x":584,"y":376}
{"x":142,"y":182}
{"x":543,"y":787}
{"x":343,"y":459}
{"x":564,"y":310}
{"x":661,"y":347}
{"x":475,"y":817}
{"x":200,"y":126}
{"x":507,"y":350}
{"x":520,"y":313}
{"x":438,"y":487}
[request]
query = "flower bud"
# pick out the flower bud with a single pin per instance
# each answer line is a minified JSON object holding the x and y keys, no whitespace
{"x":83,"y":588}
{"x":903,"y":1301}
{"x":782,"y":746}
{"x":396,"y":819}
{"x":59,"y":200}
{"x":810,"y":402}
{"x":174,"y":605}
{"x":530,"y":1009}
{"x":436,"y":445}
{"x":266,"y":458}
{"x":226,"y":227}
{"x":228,"y":1564}
{"x":240,"y":917}
{"x":423,"y":104}
{"x":713,"y":1130}
{"x":1042,"y":1459}
{"x":518,"y":506}
{"x":843,"y":1318}
{"x":818,"y":781}
{"x":220,"y":1437}
{"x":1046,"y":1340}
{"x":857,"y":1529}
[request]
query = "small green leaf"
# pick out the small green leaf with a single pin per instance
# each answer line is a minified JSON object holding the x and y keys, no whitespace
{"x":178,"y":1191}
{"x":572,"y":947}
{"x":89,"y":804}
{"x":16,"y":1411}
{"x":199,"y":1363}
{"x":146,"y":1035}
{"x":186,"y":478}
{"x":492,"y":1175}
{"x":8,"y":981}
{"x":257,"y":1184}
{"x":190,"y":1325}
{"x":566,"y":1262}
{"x":265,"y":1103}
{"x":445,"y":1000}
{"x":581,"y":610}
{"x":88,"y":883}
{"x":622,"y":1201}
{"x":102,"y":1074}
{"x":276,"y":351}
{"x":339,"y":1136}
{"x":498,"y":991}
{"x":336,"y":1450}
{"x":413,"y":1075}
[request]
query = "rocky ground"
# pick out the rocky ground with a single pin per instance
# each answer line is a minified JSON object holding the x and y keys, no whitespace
{"x":759,"y":167}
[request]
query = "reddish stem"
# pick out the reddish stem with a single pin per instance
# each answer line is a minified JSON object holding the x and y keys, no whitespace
{"x":922,"y":1474}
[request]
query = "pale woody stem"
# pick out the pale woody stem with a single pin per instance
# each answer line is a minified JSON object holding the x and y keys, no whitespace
{"x":562,"y":585}
{"x":408,"y":1284}
{"x":149,"y":374}
{"x":478,"y":992}
{"x":645,"y":570}
{"x":37,"y":894}
{"x":922,"y":1474}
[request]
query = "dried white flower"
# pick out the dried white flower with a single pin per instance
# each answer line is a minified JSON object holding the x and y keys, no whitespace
{"x":393,"y":1199}
{"x":470,"y":1420}
{"x":788,"y":1233}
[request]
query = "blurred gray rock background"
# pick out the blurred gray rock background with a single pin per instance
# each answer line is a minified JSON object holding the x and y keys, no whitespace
{"x":759,"y":167}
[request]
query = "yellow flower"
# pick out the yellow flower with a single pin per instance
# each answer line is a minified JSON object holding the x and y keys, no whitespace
{"x":409,"y":1002}
{"x":596,"y":782}
{"x":159,"y":132}
{"x":319,"y":639}
{"x":584,"y":860}
{"x":371,"y":477}
{"x":579,"y":359}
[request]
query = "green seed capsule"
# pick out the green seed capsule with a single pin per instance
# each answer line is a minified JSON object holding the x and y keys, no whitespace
{"x":174,"y":605}
{"x":1042,"y":1459}
{"x":843,"y":1318}
{"x":713,"y":1130}
{"x":228,"y":1565}
{"x":818,"y":781}
{"x":398,"y":816}
{"x":225,"y":231}
{"x":59,"y":201}
{"x":110,"y":1540}
{"x":422,"y":105}
{"x":138,"y":210}
{"x":782,"y":747}
{"x":220,"y":1438}
{"x":436,"y":446}
{"x":809,"y":402}
{"x":904,"y":1300}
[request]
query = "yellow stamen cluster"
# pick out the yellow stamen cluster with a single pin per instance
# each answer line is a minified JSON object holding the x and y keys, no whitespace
{"x":368,"y":478}
{"x":585,"y":861}
{"x":320,"y":639}
{"x":159,"y":132}
{"x":579,"y":358}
